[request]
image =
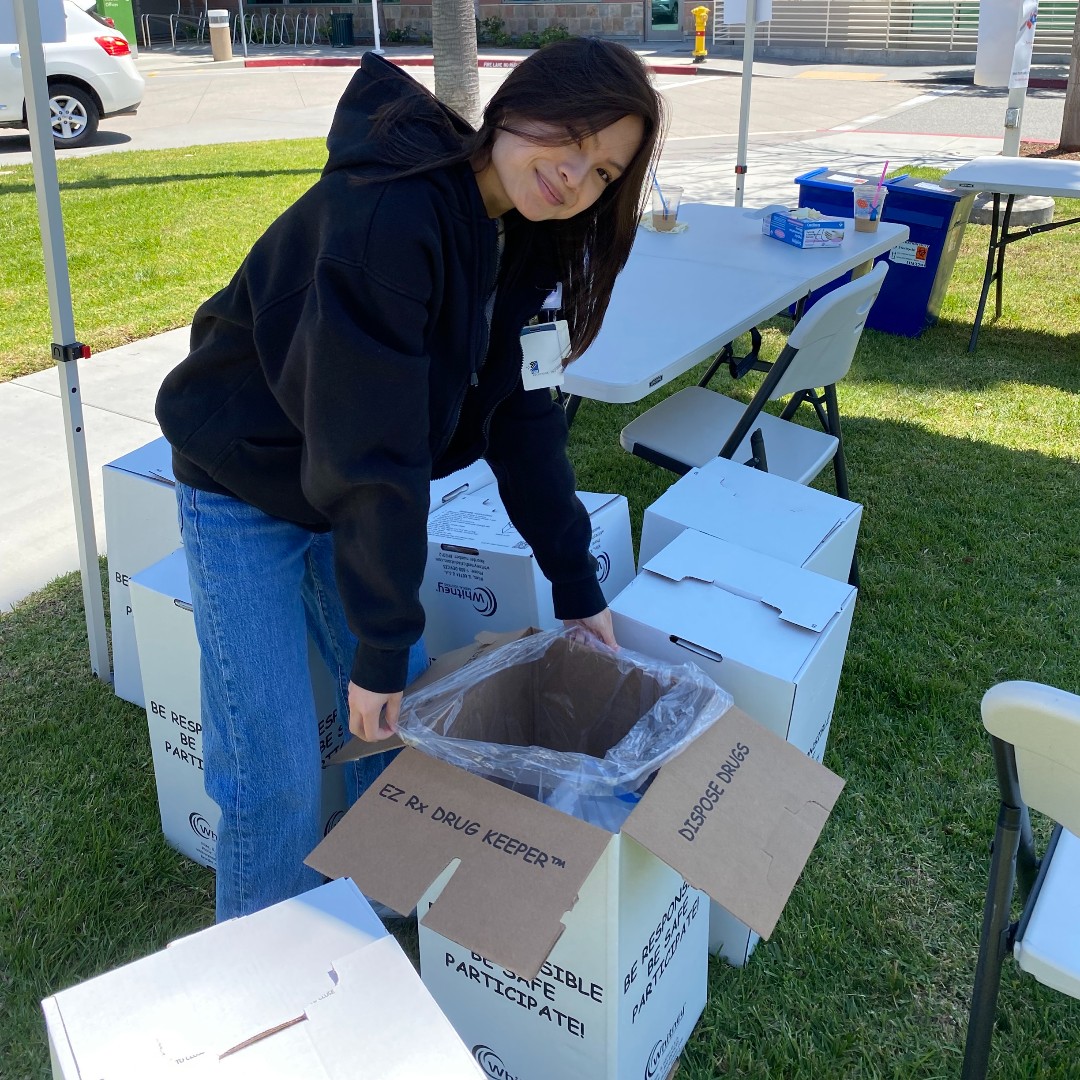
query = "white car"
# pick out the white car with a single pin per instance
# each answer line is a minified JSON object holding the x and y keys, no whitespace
{"x":91,"y":75}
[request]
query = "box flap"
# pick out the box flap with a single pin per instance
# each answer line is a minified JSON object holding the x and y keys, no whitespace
{"x":230,"y":985}
{"x":152,"y":461}
{"x":521,"y":863}
{"x":799,"y":596}
{"x":737,"y":814}
{"x":169,"y":577}
{"x":448,"y":488}
{"x":447,"y":664}
{"x":594,"y":501}
{"x":754,"y":509}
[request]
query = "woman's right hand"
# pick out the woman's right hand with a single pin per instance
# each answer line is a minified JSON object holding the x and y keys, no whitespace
{"x":372,"y":716}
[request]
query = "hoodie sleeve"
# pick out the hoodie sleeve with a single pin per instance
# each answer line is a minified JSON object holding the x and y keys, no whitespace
{"x":354,"y":380}
{"x":527,"y":453}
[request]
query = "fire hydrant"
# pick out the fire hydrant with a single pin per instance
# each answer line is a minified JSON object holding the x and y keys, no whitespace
{"x":701,"y":17}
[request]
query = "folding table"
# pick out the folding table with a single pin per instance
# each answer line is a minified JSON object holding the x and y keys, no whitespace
{"x":1012,"y":176}
{"x":683,"y":296}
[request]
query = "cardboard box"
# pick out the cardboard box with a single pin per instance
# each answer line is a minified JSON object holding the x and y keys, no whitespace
{"x":169,"y":649}
{"x":802,"y":229}
{"x":773,"y":635}
{"x":140,"y":528}
{"x":471,"y":478}
{"x":559,"y":949}
{"x":313,"y":987}
{"x":757,"y":510}
{"x":482,"y":576}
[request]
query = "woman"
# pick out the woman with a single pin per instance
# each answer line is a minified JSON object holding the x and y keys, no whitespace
{"x":370,"y":342}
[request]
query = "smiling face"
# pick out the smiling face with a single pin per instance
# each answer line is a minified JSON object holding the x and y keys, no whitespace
{"x":553,"y":183}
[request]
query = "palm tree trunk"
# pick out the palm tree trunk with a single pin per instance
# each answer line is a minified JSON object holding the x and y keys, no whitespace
{"x":453,"y":40}
{"x":1070,"y":121}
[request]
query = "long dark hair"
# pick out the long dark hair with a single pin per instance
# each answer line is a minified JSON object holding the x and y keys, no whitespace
{"x":578,"y":87}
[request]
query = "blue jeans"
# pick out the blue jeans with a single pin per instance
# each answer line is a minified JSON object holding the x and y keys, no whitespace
{"x":259,"y":587}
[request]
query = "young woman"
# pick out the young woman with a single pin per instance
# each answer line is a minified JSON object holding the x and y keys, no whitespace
{"x":370,"y":342}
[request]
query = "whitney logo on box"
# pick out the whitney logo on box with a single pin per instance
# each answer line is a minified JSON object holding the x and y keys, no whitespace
{"x":200,"y":826}
{"x":659,"y":1051}
{"x":334,"y":818}
{"x":491,"y":1063}
{"x":603,"y":566}
{"x":481,"y":598}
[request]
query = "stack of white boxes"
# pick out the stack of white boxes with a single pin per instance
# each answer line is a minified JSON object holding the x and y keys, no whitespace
{"x":728,"y":582}
{"x":481,"y":576}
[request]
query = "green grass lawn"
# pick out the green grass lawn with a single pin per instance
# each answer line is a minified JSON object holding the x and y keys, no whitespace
{"x":970,"y":557}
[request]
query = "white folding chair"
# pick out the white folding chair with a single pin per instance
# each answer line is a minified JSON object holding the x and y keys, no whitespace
{"x":694,"y":425}
{"x":1035,"y":732}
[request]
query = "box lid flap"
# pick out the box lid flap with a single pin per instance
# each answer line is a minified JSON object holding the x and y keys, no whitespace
{"x":168,"y":576}
{"x":152,"y":461}
{"x":595,"y":501}
{"x":521,"y":863}
{"x":754,"y":509}
{"x":447,"y":664}
{"x":737,"y":814}
{"x":799,"y":596}
{"x":448,"y":488}
{"x":231,"y":985}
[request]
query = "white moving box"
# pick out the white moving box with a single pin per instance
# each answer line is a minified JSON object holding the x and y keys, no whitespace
{"x":482,"y":576}
{"x":756,"y":510}
{"x":313,"y":988}
{"x":140,"y":528}
{"x":169,"y":650}
{"x":557,"y":949}
{"x":773,"y":635}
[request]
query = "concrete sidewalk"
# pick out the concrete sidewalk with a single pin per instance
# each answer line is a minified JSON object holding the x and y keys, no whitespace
{"x":37,"y":534}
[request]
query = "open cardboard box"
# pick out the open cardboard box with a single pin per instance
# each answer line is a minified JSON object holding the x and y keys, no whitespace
{"x":563,"y":948}
{"x":311,"y":988}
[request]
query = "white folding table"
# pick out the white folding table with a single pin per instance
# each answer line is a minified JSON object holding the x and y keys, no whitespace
{"x":683,"y":296}
{"x":1012,"y":176}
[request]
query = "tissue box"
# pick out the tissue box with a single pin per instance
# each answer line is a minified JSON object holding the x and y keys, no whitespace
{"x":804,"y":229}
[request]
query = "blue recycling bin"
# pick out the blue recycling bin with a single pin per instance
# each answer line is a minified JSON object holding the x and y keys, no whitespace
{"x":919,"y":269}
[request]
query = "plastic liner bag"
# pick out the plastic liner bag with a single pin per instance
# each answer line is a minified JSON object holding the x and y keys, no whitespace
{"x":564,"y":719}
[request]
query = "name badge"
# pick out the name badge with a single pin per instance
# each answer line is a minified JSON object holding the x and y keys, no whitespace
{"x":544,"y":348}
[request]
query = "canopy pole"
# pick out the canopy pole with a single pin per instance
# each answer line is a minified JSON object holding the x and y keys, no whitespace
{"x":65,"y":348}
{"x":744,"y":101}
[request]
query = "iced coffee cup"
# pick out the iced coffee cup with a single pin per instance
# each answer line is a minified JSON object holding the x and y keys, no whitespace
{"x":869,"y":202}
{"x":665,"y":206}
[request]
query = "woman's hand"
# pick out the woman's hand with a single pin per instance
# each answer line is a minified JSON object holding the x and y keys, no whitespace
{"x":599,"y":625}
{"x":372,"y":717}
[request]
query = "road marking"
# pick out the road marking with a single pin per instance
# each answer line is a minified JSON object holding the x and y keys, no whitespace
{"x":873,"y":118}
{"x":734,"y":134}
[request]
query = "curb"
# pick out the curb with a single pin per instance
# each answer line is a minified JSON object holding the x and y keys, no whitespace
{"x":426,"y":61}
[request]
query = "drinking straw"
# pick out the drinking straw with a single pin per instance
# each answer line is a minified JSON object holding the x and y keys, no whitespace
{"x":881,"y":180}
{"x":659,"y":191}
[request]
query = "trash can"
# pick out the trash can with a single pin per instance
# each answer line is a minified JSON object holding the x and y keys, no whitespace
{"x":220,"y":35}
{"x":920,"y":268}
{"x":341,"y":30}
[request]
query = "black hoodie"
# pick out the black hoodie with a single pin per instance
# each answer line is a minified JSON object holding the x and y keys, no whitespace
{"x":348,"y":362}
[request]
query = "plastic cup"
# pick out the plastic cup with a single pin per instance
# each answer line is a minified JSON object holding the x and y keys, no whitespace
{"x":666,"y":199}
{"x":869,"y":202}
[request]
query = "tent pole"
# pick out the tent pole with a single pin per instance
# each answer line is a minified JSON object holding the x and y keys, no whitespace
{"x":744,"y":101}
{"x":50,"y":219}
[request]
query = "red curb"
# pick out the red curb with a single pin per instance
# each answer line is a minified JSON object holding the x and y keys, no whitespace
{"x":421,"y":61}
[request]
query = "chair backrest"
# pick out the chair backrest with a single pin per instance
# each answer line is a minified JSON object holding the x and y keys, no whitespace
{"x":1043,"y":725}
{"x":828,"y":334}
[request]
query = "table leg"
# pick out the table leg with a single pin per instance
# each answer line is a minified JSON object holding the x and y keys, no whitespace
{"x":1002,"y":241}
{"x":988,"y":275}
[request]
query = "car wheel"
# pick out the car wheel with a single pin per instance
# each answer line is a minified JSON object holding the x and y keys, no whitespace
{"x":73,"y":115}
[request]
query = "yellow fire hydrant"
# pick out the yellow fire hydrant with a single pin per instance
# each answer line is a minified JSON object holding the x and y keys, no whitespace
{"x":701,"y":17}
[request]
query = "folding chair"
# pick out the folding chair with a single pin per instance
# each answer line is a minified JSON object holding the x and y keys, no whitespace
{"x":689,"y":428}
{"x":1035,"y":733}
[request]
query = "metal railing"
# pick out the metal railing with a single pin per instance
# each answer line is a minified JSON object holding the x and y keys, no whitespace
{"x":933,"y":26}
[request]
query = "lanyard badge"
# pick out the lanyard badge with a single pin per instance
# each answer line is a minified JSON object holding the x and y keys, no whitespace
{"x":545,"y":346}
